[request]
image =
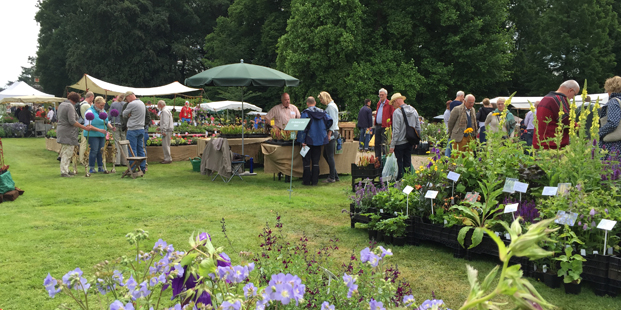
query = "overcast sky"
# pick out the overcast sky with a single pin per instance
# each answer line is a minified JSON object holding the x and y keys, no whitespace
{"x":19,"y":37}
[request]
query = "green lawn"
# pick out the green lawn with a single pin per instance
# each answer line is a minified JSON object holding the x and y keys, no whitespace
{"x":63,"y":223}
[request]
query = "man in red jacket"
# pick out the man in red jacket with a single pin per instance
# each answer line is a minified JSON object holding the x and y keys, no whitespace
{"x":383,"y":119}
{"x":548,"y":116}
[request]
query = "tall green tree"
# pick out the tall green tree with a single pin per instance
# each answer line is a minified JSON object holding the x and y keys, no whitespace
{"x":140,"y":43}
{"x":54,"y":42}
{"x":250,"y":32}
{"x":29,"y":73}
{"x":574,"y":40}
{"x":323,"y":40}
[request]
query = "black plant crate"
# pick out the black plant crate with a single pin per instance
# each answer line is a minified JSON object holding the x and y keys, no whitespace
{"x":362,"y":173}
{"x":595,"y":271}
{"x":614,"y":276}
{"x":355,"y":217}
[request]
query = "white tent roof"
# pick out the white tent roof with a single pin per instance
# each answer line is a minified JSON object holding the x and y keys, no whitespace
{"x":522,"y":103}
{"x":29,"y":100}
{"x":229,"y":105}
{"x":98,"y":86}
{"x":19,"y":89}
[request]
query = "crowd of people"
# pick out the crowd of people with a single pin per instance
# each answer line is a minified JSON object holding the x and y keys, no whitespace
{"x":127,"y":118}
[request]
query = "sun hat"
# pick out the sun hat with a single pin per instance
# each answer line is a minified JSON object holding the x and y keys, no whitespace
{"x":397,"y":96}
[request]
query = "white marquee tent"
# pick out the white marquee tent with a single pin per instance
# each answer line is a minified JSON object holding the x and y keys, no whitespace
{"x":229,"y":105}
{"x":19,"y":89}
{"x":522,"y":103}
{"x":98,"y":86}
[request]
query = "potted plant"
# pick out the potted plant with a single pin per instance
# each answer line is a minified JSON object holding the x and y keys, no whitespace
{"x":372,"y":225}
{"x":383,"y":233}
{"x":571,"y":265}
{"x":396,"y":228}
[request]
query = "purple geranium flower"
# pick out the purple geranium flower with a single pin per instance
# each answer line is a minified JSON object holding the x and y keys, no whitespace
{"x":231,"y":306}
{"x":114,"y":112}
{"x":50,"y":285}
{"x":408,"y":300}
{"x":250,"y":290}
{"x":327,"y":306}
{"x":365,"y":255}
{"x":376,"y":305}
{"x":385,"y":252}
{"x":117,"y":305}
{"x":103,"y":115}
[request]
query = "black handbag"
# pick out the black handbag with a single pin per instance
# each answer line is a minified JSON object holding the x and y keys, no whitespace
{"x":410,"y":132}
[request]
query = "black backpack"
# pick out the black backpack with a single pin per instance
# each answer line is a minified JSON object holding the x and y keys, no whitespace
{"x":410,"y":132}
{"x":78,"y":111}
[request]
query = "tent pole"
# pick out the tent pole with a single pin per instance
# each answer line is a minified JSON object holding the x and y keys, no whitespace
{"x":85,"y":85}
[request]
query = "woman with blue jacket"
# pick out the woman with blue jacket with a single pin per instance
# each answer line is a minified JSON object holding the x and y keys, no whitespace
{"x":97,"y":135}
{"x":314,"y":136}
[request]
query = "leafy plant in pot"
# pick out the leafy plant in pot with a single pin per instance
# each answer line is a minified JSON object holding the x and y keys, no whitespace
{"x":395,"y":228}
{"x":550,"y":267}
{"x":479,"y":216}
{"x":571,"y":265}
{"x":372,"y":225}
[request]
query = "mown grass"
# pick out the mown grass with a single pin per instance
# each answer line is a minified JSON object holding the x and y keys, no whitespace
{"x":60,"y":224}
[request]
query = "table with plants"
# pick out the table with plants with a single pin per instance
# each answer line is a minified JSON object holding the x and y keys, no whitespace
{"x":480,"y":193}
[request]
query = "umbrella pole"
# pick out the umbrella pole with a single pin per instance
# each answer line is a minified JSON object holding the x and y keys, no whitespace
{"x":242,"y":121}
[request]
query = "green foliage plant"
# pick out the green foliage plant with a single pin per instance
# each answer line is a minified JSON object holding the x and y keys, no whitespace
{"x":392,"y":200}
{"x":510,"y":282}
{"x":393,"y":226}
{"x":480,"y":216}
{"x":571,"y":265}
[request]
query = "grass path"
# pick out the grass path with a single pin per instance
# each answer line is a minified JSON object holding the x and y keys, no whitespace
{"x":63,"y":223}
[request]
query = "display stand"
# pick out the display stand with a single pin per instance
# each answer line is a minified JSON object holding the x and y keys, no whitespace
{"x":294,"y":124}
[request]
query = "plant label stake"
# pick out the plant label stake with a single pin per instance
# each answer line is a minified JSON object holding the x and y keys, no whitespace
{"x":520,"y":188}
{"x":509,"y":185}
{"x":293,"y":125}
{"x":407,"y":190}
{"x":549,"y":191}
{"x":431,"y":195}
{"x":606,"y":225}
{"x":511,"y":209}
{"x":453,"y":177}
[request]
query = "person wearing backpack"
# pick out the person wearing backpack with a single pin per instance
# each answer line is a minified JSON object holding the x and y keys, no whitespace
{"x":314,"y":136}
{"x":81,"y":109}
{"x":399,"y":144}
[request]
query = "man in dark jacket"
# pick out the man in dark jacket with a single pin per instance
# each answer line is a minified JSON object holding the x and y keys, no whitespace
{"x":365,"y":125}
{"x":314,"y":136}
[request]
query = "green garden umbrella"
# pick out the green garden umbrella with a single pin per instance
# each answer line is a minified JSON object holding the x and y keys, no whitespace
{"x":242,"y":75}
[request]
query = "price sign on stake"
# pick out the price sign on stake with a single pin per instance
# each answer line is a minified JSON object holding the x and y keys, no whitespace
{"x":549,"y":191}
{"x":606,"y":225}
{"x":520,"y":187}
{"x":511,"y":209}
{"x":453,"y":177}
{"x":407,"y":190}
{"x":431,"y":195}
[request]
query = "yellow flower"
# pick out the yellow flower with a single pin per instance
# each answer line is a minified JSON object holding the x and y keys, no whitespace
{"x":427,"y":152}
{"x":468,"y":130}
{"x":435,"y":168}
{"x":496,"y":114}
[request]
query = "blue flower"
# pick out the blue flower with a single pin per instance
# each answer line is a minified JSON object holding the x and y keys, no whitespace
{"x":250,"y":290}
{"x":408,"y":300}
{"x":430,"y":304}
{"x":117,"y":305}
{"x":231,"y":306}
{"x":385,"y":252}
{"x":75,"y":276}
{"x":160,"y":245}
{"x":365,"y":255}
{"x":283,"y":293}
{"x":142,"y":291}
{"x":327,"y":306}
{"x":131,"y":283}
{"x":376,"y":305}
{"x":592,"y":213}
{"x":118,"y":277}
{"x":50,"y":285}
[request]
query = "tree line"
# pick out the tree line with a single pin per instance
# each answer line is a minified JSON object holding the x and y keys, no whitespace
{"x":427,"y":50}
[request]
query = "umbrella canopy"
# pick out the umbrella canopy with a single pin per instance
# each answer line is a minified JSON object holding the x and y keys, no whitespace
{"x":229,"y":105}
{"x":242,"y":74}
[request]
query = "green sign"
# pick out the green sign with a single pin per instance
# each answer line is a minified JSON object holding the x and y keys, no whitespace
{"x":297,"y":124}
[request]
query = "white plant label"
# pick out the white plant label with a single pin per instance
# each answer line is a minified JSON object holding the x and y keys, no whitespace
{"x":395,"y":213}
{"x":595,"y":252}
{"x":509,"y":185}
{"x":497,"y":234}
{"x":520,"y":187}
{"x":583,"y":252}
{"x":606,"y":224}
{"x":545,"y":268}
{"x":508,"y":236}
{"x":453,"y":176}
{"x":511,"y":208}
{"x":381,"y":210}
{"x":431,"y":194}
{"x":609,"y":251}
{"x":408,"y":189}
{"x":549,"y":191}
{"x":445,"y":222}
